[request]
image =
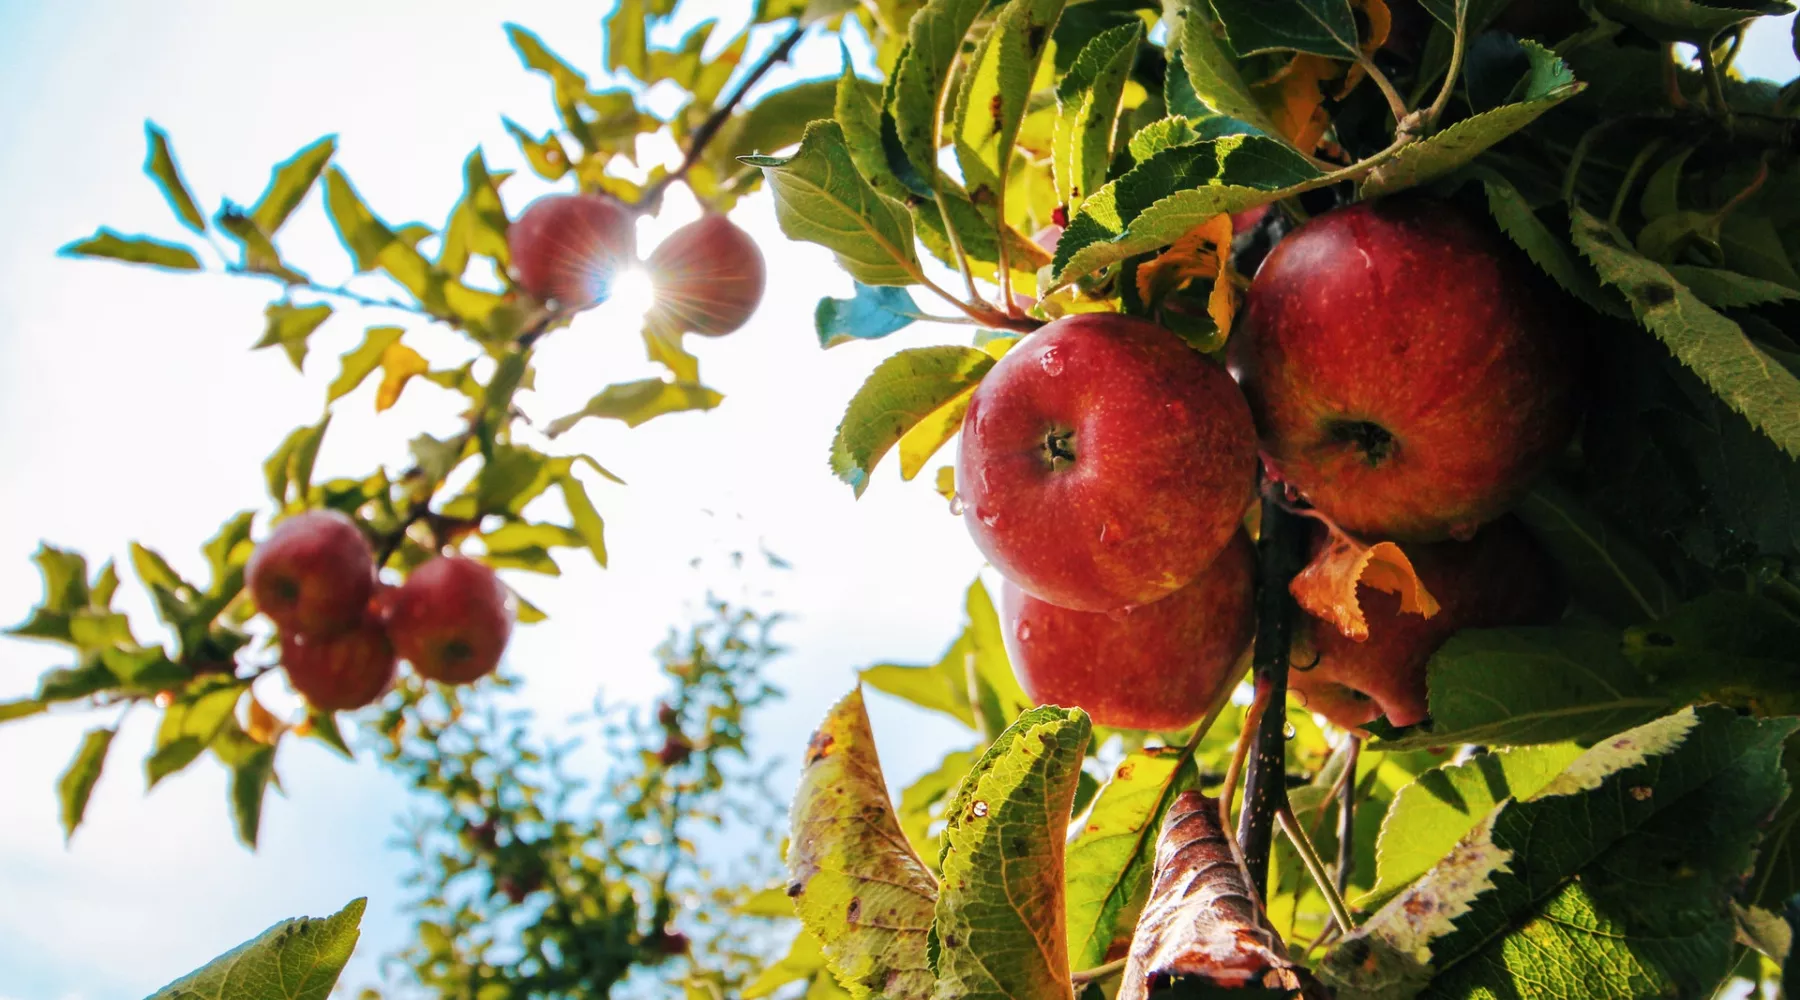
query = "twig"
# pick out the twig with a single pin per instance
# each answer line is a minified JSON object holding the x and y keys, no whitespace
{"x":1235,"y":770}
{"x":1631,"y":174}
{"x":715,"y":121}
{"x":1396,"y":104}
{"x":1715,"y":82}
{"x":1280,"y":555}
{"x":1309,"y":855}
{"x":1346,"y":858}
{"x":1436,"y":111}
{"x":956,"y":246}
{"x":1098,"y":972}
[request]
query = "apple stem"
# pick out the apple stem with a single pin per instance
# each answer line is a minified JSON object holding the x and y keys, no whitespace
{"x":1436,"y":111}
{"x":1281,"y":553}
{"x":1346,"y":854}
{"x":1309,"y":856}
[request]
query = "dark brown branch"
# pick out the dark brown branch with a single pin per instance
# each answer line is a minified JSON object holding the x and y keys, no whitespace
{"x":710,"y":127}
{"x":1281,"y":553}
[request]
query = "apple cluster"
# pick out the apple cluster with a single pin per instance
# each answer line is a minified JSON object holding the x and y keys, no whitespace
{"x":1398,"y":369}
{"x":343,"y":631}
{"x":568,"y":249}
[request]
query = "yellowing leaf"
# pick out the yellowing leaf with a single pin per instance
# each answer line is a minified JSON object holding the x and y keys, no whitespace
{"x":399,"y":363}
{"x":1326,"y":588}
{"x":1381,"y":22}
{"x":854,"y":878}
{"x":946,"y":482}
{"x":1198,"y":254}
{"x":1222,"y":303}
{"x":1295,"y":98}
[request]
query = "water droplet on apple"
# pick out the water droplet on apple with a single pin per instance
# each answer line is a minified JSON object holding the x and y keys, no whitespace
{"x":979,"y":808}
{"x":1288,"y":731}
{"x":1024,"y":632}
{"x":989,"y":518}
{"x":1119,"y":614}
{"x":1052,"y":364}
{"x":956,"y":505}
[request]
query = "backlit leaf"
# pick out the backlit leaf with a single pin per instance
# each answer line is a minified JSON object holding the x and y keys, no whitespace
{"x":399,"y":363}
{"x":296,"y":959}
{"x":1088,"y":99}
{"x":288,"y":184}
{"x":637,"y":402}
{"x":77,"y":781}
{"x":357,"y":363}
{"x":133,"y":250}
{"x":872,"y":313}
{"x":902,"y":391}
{"x":995,"y":89}
{"x":287,"y":325}
{"x":159,"y":164}
{"x":1109,"y":862}
{"x":820,"y":198}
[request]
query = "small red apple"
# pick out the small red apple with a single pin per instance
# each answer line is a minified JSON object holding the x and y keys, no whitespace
{"x":341,"y":671}
{"x":313,"y":574}
{"x":709,"y":277}
{"x":1103,"y":463}
{"x":451,"y":620}
{"x":567,"y":248}
{"x":675,"y":751}
{"x":669,"y":941}
{"x":1499,"y":578}
{"x":1409,"y":372}
{"x":1160,"y":666}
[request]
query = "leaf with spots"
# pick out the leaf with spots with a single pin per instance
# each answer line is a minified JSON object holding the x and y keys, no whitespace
{"x":1326,"y":588}
{"x":297,"y":959}
{"x":1000,"y":930}
{"x":901,"y":393}
{"x":1732,"y":365}
{"x":1199,"y":45}
{"x":1107,"y":869}
{"x":1322,"y":27}
{"x":1612,"y":880}
{"x":854,"y":879}
{"x":915,"y":94}
{"x":1087,"y":102}
{"x":1203,"y":924}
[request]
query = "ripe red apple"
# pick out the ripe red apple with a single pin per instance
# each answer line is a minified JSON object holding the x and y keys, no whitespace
{"x":709,"y":277}
{"x":1160,"y":666}
{"x":451,"y":619}
{"x":1499,"y":578}
{"x":341,"y":671}
{"x":1103,"y":463}
{"x":567,"y":248}
{"x":1409,"y":371}
{"x":314,"y":574}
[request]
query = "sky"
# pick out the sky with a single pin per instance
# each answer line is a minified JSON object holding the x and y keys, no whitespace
{"x":134,"y":410}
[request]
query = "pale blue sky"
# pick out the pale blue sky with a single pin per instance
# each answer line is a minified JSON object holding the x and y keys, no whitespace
{"x":135,"y":411}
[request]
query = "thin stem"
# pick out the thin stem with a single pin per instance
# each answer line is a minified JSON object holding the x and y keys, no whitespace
{"x":1235,"y":770}
{"x":338,"y":291}
{"x":1098,"y":973}
{"x":956,"y":247}
{"x":1280,"y":555}
{"x":1346,"y":858}
{"x":1436,"y":111}
{"x":1631,"y":174}
{"x":1715,"y":82}
{"x":1396,"y":104}
{"x":715,"y":121}
{"x":1316,"y":868}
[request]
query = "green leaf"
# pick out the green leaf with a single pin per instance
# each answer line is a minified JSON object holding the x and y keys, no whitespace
{"x":1612,"y":880}
{"x":1212,"y":68}
{"x":871,"y":314}
{"x":820,"y":198}
{"x":74,"y":683}
{"x":941,"y":687}
{"x":1322,"y":27}
{"x":291,"y":464}
{"x":259,"y":254}
{"x":776,"y":121}
{"x":288,"y":326}
{"x":1109,"y":861}
{"x":855,"y":882}
{"x":638,"y":402}
{"x":361,"y":232}
{"x":24,"y":708}
{"x":995,"y":90}
{"x":357,"y":363}
{"x":1693,"y":21}
{"x":857,"y":110}
{"x":547,"y":156}
{"x":1724,"y":289}
{"x":478,"y":222}
{"x":133,"y":250}
{"x":191,"y":722}
{"x":1547,"y":83}
{"x":323,"y":726}
{"x":902,"y":391}
{"x":588,"y":525}
{"x":803,"y":960}
{"x":517,"y":535}
{"x":289,"y":182}
{"x":1715,"y":348}
{"x":626,"y":45}
{"x":250,"y":777}
{"x":1606,"y":571}
{"x":1732,"y":648}
{"x":920,"y":801}
{"x":159,"y":164}
{"x":1512,"y":687}
{"x":1162,"y":199}
{"x":1549,"y":251}
{"x":934,"y":38}
{"x":1087,"y":102}
{"x":77,"y":781}
{"x":1000,"y":930}
{"x":296,"y":959}
{"x":1430,"y":815}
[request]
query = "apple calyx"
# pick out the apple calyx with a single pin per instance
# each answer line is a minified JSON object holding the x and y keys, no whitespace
{"x":1059,"y":449}
{"x":1374,"y":442}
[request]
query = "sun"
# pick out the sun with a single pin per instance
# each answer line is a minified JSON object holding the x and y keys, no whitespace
{"x":633,"y":293}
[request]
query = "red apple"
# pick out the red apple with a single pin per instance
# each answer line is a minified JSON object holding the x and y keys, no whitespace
{"x":1160,"y":666}
{"x":567,"y":248}
{"x":1500,"y":578}
{"x":709,"y":277}
{"x":339,"y":672}
{"x":1104,"y":464}
{"x":451,"y":619}
{"x":313,"y":574}
{"x":1409,"y":371}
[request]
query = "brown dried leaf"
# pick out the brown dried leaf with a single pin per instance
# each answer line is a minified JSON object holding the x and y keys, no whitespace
{"x":1203,"y":921}
{"x":1326,"y":588}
